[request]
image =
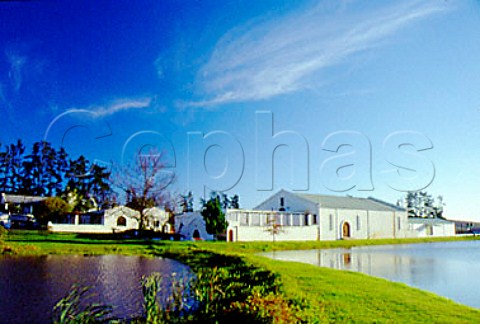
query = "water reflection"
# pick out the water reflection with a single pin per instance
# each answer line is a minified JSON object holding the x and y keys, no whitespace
{"x":30,"y":286}
{"x":448,"y":269}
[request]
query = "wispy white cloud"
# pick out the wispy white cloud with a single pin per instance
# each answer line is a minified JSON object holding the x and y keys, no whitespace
{"x":2,"y":94}
{"x":260,"y":61}
{"x":116,"y":107}
{"x":17,"y":63}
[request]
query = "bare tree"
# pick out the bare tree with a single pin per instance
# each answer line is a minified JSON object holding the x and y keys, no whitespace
{"x":145,"y":182}
{"x":273,"y":226}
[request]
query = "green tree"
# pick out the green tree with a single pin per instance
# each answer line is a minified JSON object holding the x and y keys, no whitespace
{"x":100,"y":188}
{"x":214,"y":215}
{"x":52,"y":208}
{"x":88,"y":180}
{"x":235,"y":202}
{"x":3,"y":170}
{"x":40,"y":173}
{"x":186,"y":202}
{"x":45,"y":171}
{"x":79,"y":202}
{"x":11,"y":169}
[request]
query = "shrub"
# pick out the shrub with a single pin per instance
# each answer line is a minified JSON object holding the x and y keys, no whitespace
{"x":270,"y":308}
{"x":3,"y":233}
{"x":51,"y":208}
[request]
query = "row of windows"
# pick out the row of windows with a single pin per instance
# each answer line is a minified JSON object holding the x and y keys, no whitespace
{"x":330,"y":223}
{"x":330,"y":218}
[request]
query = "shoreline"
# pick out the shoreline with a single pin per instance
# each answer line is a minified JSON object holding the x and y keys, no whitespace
{"x":325,"y":294}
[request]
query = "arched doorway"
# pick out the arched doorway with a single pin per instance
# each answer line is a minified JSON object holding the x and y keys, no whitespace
{"x":345,"y":230}
{"x":230,"y":236}
{"x":121,"y":221}
{"x":196,"y":235}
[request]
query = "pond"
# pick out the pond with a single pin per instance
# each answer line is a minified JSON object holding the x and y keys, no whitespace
{"x":30,"y":286}
{"x":449,"y":269}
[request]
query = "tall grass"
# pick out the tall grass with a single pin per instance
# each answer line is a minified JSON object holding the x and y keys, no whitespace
{"x":175,"y":308}
{"x":76,"y":307}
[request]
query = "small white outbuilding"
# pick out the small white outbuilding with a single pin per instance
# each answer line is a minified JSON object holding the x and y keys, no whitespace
{"x":113,"y":220}
{"x":191,"y":226}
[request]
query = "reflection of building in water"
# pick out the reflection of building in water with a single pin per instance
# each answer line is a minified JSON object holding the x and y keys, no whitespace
{"x":383,"y":264}
{"x":380,"y":262}
{"x":347,"y":259}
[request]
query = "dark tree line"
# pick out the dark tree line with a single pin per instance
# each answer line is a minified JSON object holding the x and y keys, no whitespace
{"x":422,"y":204}
{"x":186,"y":202}
{"x":46,"y":171}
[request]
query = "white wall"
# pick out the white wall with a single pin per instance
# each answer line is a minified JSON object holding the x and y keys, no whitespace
{"x":84,"y":228}
{"x":109,"y":225}
{"x":373,"y":224}
{"x":260,"y":233}
{"x":440,"y":229}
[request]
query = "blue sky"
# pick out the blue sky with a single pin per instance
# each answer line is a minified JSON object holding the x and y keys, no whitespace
{"x":343,"y":82}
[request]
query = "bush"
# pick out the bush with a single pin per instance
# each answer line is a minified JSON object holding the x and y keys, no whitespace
{"x":51,"y":208}
{"x":270,"y":308}
{"x":3,"y":233}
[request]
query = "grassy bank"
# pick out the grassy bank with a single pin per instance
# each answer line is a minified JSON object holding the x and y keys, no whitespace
{"x":355,"y":297}
{"x":325,"y":295}
{"x":40,"y":242}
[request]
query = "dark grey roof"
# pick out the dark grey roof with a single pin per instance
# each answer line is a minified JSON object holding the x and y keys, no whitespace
{"x":349,"y":202}
{"x":19,"y":199}
{"x":431,"y":221}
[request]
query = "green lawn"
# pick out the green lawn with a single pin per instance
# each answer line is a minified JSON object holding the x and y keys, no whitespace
{"x":355,"y":297}
{"x":328,"y":295}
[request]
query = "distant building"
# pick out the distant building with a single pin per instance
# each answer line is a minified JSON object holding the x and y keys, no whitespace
{"x":466,"y":227}
{"x":17,"y":211}
{"x":19,"y":204}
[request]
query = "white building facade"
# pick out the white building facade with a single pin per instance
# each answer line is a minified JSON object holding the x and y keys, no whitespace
{"x":287,"y":216}
{"x":113,"y":220}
